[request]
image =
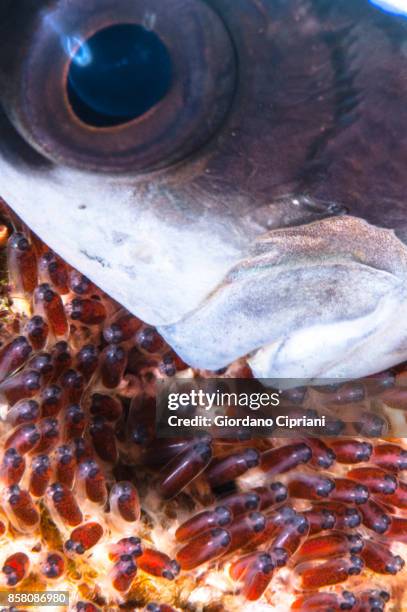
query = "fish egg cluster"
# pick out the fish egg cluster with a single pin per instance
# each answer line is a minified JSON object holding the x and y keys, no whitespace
{"x":94,"y":503}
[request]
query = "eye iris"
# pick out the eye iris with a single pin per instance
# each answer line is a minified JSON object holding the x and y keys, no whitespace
{"x":118,"y":75}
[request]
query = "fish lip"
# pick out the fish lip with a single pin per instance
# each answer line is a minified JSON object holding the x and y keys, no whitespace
{"x":314,"y":301}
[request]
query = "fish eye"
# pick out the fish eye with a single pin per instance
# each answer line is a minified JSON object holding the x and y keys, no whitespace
{"x":118,"y":74}
{"x":117,"y":85}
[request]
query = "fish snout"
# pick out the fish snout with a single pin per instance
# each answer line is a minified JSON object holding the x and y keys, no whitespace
{"x":321,"y":300}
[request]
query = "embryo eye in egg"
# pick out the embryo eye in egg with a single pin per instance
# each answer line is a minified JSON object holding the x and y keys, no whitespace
{"x":132,"y":86}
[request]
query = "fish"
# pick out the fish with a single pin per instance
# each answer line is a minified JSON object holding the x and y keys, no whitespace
{"x":253,"y":203}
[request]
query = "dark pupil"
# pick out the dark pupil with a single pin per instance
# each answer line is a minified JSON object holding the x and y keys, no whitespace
{"x":118,"y":74}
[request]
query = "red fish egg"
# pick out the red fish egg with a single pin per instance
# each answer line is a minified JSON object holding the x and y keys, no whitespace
{"x":54,"y":271}
{"x":64,"y":503}
{"x":168,"y":365}
{"x":184,"y":468}
{"x":103,"y":440}
{"x":398,"y":498}
{"x":62,"y":358}
{"x":330,"y":545}
{"x":158,"y":564}
{"x":375,"y":479}
{"x":94,"y":480}
{"x":13,"y":355}
{"x":79,"y":284}
{"x":123,"y":573}
{"x":390,"y":457}
{"x":205,"y":547}
{"x":24,"y":411}
{"x":112,"y":365}
{"x":379,"y":558}
{"x":254,"y":572}
{"x":23,"y":385}
{"x":48,"y":304}
{"x":125,"y":502}
{"x":74,"y":422}
{"x":42,"y":363}
{"x":322,"y":456}
{"x":244,"y":528}
{"x":351,"y":451}
{"x":65,"y":465}
{"x":375,"y":517}
{"x":291,"y":535}
{"x":315,"y":575}
{"x":53,"y":566}
{"x":23,"y":513}
{"x":218,"y":517}
{"x":87,"y":361}
{"x":126,"y":546}
{"x":229,"y":468}
{"x":310,"y":486}
{"x":82,"y":449}
{"x":51,"y":400}
{"x":12,"y":467}
{"x":395,"y":397}
{"x":122,"y":328}
{"x":275,"y":493}
{"x":397,"y":529}
{"x":40,"y":475}
{"x":72,"y":384}
{"x":140,"y":427}
{"x":285,"y":458}
{"x":50,"y":435}
{"x":347,"y":393}
{"x":15,"y":568}
{"x":149,"y":340}
{"x":83,"y":538}
{"x":349,"y":492}
{"x":273,"y":521}
{"x":240,"y":503}
{"x":319,"y":519}
{"x":23,"y":438}
{"x":22,"y":264}
{"x":37,"y":332}
{"x":86,"y":311}
{"x":371,"y":425}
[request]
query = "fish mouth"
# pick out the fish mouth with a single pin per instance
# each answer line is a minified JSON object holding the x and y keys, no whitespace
{"x":319,"y":300}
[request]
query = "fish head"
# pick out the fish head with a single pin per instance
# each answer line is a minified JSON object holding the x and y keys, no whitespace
{"x":231,"y":172}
